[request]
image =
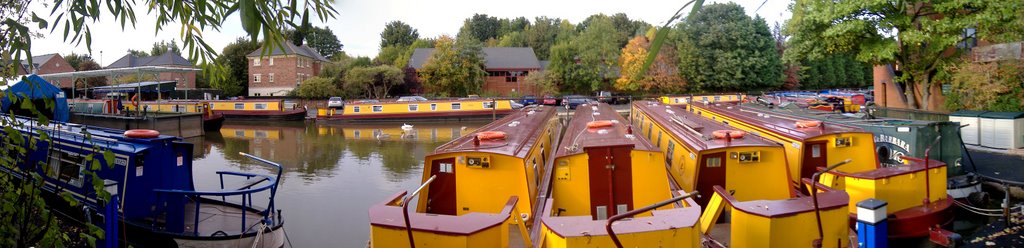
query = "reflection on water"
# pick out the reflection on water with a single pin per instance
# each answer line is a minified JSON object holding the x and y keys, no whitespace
{"x":334,"y":172}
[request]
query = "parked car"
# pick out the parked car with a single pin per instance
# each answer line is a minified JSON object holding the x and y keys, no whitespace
{"x":411,"y":99}
{"x":612,"y":97}
{"x":571,"y":101}
{"x":335,"y":102}
{"x":550,"y":100}
{"x":528,"y":100}
{"x":516,"y":105}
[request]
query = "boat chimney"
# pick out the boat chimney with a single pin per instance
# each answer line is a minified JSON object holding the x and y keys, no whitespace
{"x":728,"y":137}
{"x":629,"y":129}
{"x":476,"y":140}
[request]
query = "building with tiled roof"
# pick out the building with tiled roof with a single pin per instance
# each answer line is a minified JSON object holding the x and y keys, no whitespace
{"x":279,"y":71}
{"x":48,"y":64}
{"x":507,"y":68}
{"x":186,"y":80}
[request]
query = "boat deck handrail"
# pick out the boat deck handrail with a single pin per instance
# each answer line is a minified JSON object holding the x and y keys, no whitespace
{"x":830,"y":199}
{"x":916,"y":165}
{"x":611,"y":232}
{"x":585,"y":225}
{"x":389,"y":214}
{"x":245,"y":192}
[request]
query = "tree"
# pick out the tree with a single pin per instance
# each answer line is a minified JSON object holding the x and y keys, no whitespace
{"x":597,"y":52}
{"x":324,"y":41}
{"x":377,"y":81}
{"x":454,"y":68}
{"x":317,"y":88}
{"x":388,"y":55}
{"x":397,"y":33}
{"x":233,"y":57}
{"x":480,"y":27}
{"x":403,"y":60}
{"x":662,"y":78}
{"x":723,"y":49}
{"x":138,"y":53}
{"x":74,"y":60}
{"x":159,"y":48}
{"x":916,"y":36}
{"x":89,"y":65}
{"x":541,"y":35}
{"x":513,"y":39}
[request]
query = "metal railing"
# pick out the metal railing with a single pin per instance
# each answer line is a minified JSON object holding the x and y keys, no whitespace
{"x":613,"y":219}
{"x":405,"y":208}
{"x":245,"y":192}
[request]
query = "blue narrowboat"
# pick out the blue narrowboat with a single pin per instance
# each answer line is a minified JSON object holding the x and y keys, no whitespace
{"x":151,"y":183}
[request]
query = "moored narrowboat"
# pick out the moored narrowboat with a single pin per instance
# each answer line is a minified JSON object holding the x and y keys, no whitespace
{"x":711,"y":98}
{"x":153,"y":195}
{"x":417,"y":132}
{"x":701,"y":153}
{"x":603,"y":173}
{"x":809,"y":143}
{"x":457,"y":109}
{"x":479,"y":190}
{"x":270,"y":109}
{"x":211,"y":121}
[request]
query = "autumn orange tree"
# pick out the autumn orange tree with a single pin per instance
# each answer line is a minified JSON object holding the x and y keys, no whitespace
{"x":661,"y":77}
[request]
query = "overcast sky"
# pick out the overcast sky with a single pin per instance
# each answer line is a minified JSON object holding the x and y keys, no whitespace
{"x":359,"y":23}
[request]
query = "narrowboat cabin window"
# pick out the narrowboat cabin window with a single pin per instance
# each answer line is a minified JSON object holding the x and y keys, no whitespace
{"x":433,"y":107}
{"x":488,"y":105}
{"x":261,"y":106}
{"x":456,"y":106}
{"x":260,"y":134}
{"x":816,"y":151}
{"x":659,"y":139}
{"x":414,"y":107}
{"x":355,"y":109}
{"x":378,"y":108}
{"x":671,"y":149}
{"x":356,"y":133}
{"x":66,"y":167}
{"x":239,"y":133}
{"x":714,"y":162}
{"x":239,"y":105}
{"x":718,"y":98}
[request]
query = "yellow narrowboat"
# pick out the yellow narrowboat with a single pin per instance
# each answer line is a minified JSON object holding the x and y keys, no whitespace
{"x":711,"y":98}
{"x":270,"y":109}
{"x":479,"y":190}
{"x":809,"y":143}
{"x":211,"y":121}
{"x":701,"y":153}
{"x":603,"y":172}
{"x":916,"y":192}
{"x":457,"y":109}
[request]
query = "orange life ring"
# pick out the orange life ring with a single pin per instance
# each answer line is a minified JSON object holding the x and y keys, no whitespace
{"x":599,"y":124}
{"x":135,"y":100}
{"x":490,"y":135}
{"x":141,"y":133}
{"x":804,"y":124}
{"x":735,"y":134}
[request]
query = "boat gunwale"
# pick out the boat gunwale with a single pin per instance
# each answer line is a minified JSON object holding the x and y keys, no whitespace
{"x":790,"y":133}
{"x":582,"y":138}
{"x":696,"y":143}
{"x":535,"y":123}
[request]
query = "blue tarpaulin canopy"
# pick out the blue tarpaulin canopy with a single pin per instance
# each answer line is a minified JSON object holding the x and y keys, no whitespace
{"x":36,"y":88}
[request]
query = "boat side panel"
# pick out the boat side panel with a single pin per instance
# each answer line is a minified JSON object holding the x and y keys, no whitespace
{"x":571,"y":186}
{"x":901,"y":191}
{"x":650,"y":180}
{"x":483,"y":190}
{"x":422,"y":107}
{"x":800,"y":230}
{"x":861,"y":151}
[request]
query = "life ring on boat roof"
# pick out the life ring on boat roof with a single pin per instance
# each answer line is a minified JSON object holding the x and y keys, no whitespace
{"x":142,"y":133}
{"x":490,"y":135}
{"x":135,"y":100}
{"x":805,"y":124}
{"x":735,"y":134}
{"x":599,"y":124}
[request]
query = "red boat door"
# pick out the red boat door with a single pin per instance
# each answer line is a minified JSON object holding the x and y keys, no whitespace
{"x":710,"y":173}
{"x":441,"y":195}
{"x":611,"y":180}
{"x":815,"y":155}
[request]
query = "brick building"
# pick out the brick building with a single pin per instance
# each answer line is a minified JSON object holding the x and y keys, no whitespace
{"x":507,"y":68}
{"x":283,"y":70}
{"x":186,"y":80}
{"x":48,"y":64}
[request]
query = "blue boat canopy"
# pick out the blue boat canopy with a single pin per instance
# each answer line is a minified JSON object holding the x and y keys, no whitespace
{"x":36,"y":89}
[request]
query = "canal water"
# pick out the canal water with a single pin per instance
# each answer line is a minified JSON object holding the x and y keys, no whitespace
{"x":333,"y":172}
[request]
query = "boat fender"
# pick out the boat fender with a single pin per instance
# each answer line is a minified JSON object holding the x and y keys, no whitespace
{"x":803,"y":124}
{"x":141,"y":133}
{"x":490,"y":135}
{"x":599,"y":124}
{"x":735,"y":134}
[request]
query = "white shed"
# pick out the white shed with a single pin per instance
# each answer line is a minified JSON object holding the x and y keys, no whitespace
{"x":1003,"y":130}
{"x":971,"y":134}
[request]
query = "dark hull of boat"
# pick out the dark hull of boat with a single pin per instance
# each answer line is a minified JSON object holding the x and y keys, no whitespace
{"x":213,"y":122}
{"x":914,"y":222}
{"x":286,"y":115}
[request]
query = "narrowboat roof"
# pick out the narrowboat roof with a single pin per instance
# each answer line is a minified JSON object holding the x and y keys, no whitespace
{"x":781,"y":124}
{"x":522,"y":129}
{"x":112,"y":139}
{"x":695,"y":130}
{"x":849,"y":119}
{"x":394,"y":101}
{"x":578,"y":135}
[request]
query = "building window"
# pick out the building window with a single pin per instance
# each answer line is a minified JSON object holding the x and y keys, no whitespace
{"x":433,"y":107}
{"x":261,"y":106}
{"x":255,"y":78}
{"x":456,"y":106}
{"x":378,"y":108}
{"x":414,"y":107}
{"x":270,"y":77}
{"x":239,"y":105}
{"x":355,"y":109}
{"x":256,"y":62}
{"x":270,"y":62}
